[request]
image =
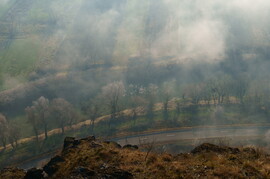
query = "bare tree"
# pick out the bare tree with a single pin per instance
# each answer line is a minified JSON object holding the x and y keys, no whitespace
{"x":137,"y":103}
{"x":148,"y":145}
{"x":256,"y":97}
{"x":194,"y":92}
{"x":41,"y":107}
{"x":62,"y":111}
{"x":92,"y":110}
{"x":151,"y":93}
{"x":241,"y":87}
{"x":3,"y":130}
{"x":112,"y":94}
{"x":13,"y":135}
{"x":221,"y":90}
{"x":165,"y":100}
{"x":206,"y":93}
{"x":33,"y":119}
{"x":178,"y":106}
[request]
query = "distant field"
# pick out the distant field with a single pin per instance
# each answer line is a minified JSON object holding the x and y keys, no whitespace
{"x":30,"y":37}
{"x":21,"y":57}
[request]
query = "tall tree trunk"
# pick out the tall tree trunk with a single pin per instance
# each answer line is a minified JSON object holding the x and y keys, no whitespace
{"x":36,"y":134}
{"x":12,"y":145}
{"x":63,"y":129}
{"x":134,"y":117}
{"x":93,"y":127}
{"x":46,"y":131}
{"x":4,"y":143}
{"x":165,"y":111}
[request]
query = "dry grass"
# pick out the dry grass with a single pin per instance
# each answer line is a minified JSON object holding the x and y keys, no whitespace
{"x":12,"y":173}
{"x":249,"y":162}
{"x":215,"y":162}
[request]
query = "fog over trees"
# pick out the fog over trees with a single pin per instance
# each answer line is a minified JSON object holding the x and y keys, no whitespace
{"x":135,"y":65}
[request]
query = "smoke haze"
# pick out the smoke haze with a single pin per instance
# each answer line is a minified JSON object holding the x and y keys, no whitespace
{"x":187,"y":49}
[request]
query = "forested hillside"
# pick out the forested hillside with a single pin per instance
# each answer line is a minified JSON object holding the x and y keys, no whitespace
{"x":137,"y":65}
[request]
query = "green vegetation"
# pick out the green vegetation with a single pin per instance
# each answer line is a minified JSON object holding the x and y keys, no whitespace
{"x":26,"y":40}
{"x":29,"y":150}
{"x":21,"y":57}
{"x":125,"y":125}
{"x":142,"y":64}
{"x":1,"y":80}
{"x":25,"y":127}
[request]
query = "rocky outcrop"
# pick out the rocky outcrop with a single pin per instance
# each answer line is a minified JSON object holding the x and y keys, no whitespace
{"x":110,"y":173}
{"x":206,"y":147}
{"x":53,"y":165}
{"x":95,"y":159}
{"x":34,"y":173}
{"x":71,"y":142}
{"x":115,"y":144}
{"x":129,"y":146}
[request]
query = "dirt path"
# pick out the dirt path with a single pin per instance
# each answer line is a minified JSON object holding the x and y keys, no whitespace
{"x":67,"y":128}
{"x":79,"y":125}
{"x":127,"y":112}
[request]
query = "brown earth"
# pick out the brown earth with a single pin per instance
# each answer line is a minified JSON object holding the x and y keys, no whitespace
{"x":91,"y":158}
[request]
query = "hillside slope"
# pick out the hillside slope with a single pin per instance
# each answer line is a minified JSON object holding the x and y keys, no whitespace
{"x":91,"y":158}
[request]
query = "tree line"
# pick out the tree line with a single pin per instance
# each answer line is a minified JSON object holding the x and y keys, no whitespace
{"x":113,"y":98}
{"x":9,"y":133}
{"x":43,"y":113}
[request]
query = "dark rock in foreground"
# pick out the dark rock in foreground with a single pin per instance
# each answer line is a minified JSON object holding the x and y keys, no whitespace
{"x":206,"y":147}
{"x":91,"y":158}
{"x":34,"y":173}
{"x":52,"y":166}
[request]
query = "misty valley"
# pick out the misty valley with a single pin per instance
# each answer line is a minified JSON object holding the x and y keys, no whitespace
{"x":134,"y":89}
